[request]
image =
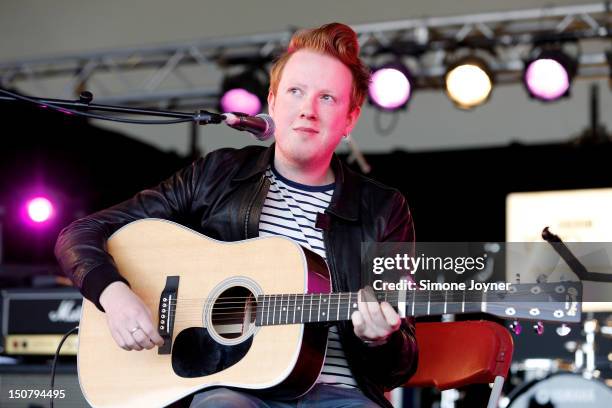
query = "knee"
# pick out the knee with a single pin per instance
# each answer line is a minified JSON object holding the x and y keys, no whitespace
{"x":221,"y":398}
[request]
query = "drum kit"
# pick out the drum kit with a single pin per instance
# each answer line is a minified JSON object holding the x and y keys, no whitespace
{"x":562,"y":383}
{"x":557,"y":383}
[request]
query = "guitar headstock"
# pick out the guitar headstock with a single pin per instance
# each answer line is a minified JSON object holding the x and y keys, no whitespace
{"x":547,"y":302}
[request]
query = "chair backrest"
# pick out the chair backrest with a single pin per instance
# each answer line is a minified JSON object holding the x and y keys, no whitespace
{"x":455,"y":354}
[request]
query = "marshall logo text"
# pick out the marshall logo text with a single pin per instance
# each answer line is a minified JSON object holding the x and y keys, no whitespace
{"x":67,"y":312}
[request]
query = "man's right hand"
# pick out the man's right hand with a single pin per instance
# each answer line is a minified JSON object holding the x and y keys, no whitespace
{"x":129,"y":320}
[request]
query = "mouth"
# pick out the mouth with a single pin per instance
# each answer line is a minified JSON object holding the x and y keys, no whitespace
{"x":306,"y":130}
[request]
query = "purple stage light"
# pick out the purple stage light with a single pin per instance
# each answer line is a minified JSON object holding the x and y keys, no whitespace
{"x":39,"y":210}
{"x":547,"y":79}
{"x":245,"y":91}
{"x":390,"y":88}
{"x":240,"y":100}
{"x":548,"y":73}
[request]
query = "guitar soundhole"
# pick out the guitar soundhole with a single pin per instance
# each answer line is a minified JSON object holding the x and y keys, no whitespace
{"x":233,"y":313}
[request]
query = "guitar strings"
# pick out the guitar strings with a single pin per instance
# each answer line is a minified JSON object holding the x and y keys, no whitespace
{"x":419,"y":295}
{"x":333,"y":308}
{"x":338,"y":304}
{"x":334,"y":299}
{"x":292,"y":310}
{"x":278,"y":314}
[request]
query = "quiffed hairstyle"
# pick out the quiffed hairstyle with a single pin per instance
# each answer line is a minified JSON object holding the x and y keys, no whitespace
{"x":334,"y":39}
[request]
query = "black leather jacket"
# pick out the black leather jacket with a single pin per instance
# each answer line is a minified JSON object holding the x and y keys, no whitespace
{"x":221,"y":196}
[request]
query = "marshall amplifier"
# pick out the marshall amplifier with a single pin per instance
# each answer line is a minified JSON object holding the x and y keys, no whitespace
{"x":34,"y":321}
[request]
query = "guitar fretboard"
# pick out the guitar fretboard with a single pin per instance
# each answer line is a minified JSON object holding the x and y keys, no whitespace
{"x":329,"y":307}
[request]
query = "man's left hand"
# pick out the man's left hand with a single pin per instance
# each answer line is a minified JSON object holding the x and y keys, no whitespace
{"x":374,"y":322}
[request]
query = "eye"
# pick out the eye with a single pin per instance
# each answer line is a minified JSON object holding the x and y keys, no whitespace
{"x":328,"y":98}
{"x":294,"y":91}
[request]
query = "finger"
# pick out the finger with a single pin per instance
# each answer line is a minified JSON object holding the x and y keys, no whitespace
{"x":371,"y":330}
{"x":142,"y":339}
{"x":116,"y":334}
{"x":151,"y":329}
{"x":358,"y":323}
{"x":368,"y":295}
{"x":393,"y":319}
{"x":362,"y":307}
{"x":378,"y":320}
{"x":374,"y":311}
{"x":370,"y":299}
{"x":133,"y":345}
{"x":376,"y":316}
{"x":119,"y":339}
{"x":151,"y":332}
{"x":129,"y":338}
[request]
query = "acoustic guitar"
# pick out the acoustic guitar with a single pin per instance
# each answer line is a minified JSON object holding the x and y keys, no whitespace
{"x":244,"y":314}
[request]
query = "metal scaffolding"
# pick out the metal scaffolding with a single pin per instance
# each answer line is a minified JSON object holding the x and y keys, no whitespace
{"x":188,"y":74}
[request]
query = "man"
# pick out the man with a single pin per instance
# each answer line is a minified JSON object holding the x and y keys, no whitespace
{"x":316,"y":92}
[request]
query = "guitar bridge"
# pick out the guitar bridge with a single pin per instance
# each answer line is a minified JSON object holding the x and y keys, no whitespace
{"x":168,"y":302}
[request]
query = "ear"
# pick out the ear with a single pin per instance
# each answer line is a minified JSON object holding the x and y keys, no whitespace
{"x":353,"y":116}
{"x":271,"y":100}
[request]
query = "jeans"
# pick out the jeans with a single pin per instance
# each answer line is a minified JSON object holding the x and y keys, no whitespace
{"x":320,"y":396}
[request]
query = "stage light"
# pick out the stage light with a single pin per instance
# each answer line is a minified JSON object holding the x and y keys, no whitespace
{"x":469,"y":82}
{"x":391,"y":86}
{"x":240,"y":100}
{"x":245,"y":92}
{"x":39,"y":210}
{"x":548,"y":74}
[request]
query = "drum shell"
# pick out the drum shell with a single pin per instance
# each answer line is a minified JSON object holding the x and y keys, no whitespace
{"x":563,"y":390}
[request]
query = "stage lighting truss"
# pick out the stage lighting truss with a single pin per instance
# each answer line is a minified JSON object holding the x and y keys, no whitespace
{"x":549,"y":71}
{"x":469,"y":79}
{"x":187,"y":74}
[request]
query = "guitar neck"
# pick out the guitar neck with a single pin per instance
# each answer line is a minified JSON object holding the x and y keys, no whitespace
{"x":330,"y":307}
{"x":554,"y":302}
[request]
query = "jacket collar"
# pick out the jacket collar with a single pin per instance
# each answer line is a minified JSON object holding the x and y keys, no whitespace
{"x":347,"y":190}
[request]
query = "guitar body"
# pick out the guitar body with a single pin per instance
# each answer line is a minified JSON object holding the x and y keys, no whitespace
{"x":214,"y":341}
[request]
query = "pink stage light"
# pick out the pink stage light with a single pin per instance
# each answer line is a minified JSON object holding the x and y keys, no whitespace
{"x":548,"y":73}
{"x":240,"y":100}
{"x":39,"y":210}
{"x":547,"y":79}
{"x":390,"y":88}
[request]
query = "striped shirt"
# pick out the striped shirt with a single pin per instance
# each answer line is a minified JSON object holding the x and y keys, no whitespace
{"x":290,"y":210}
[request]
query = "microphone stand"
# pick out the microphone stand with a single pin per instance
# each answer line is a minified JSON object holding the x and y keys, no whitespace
{"x":585,"y":352}
{"x":77,"y":107}
{"x":570,"y":259}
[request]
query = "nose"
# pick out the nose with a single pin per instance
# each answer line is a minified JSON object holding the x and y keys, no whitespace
{"x":308,"y":109}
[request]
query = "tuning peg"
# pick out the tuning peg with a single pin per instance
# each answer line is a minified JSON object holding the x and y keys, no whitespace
{"x":538,"y":328}
{"x":563,"y":330}
{"x":516,"y":327}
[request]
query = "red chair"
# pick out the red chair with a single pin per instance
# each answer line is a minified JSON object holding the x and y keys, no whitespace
{"x":455,"y":354}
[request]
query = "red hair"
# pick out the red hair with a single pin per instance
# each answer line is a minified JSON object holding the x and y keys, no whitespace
{"x":336,"y":40}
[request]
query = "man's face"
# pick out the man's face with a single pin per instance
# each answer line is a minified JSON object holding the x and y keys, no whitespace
{"x":311,"y":108}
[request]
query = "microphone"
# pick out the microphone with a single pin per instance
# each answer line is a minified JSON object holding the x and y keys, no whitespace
{"x":260,"y":126}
